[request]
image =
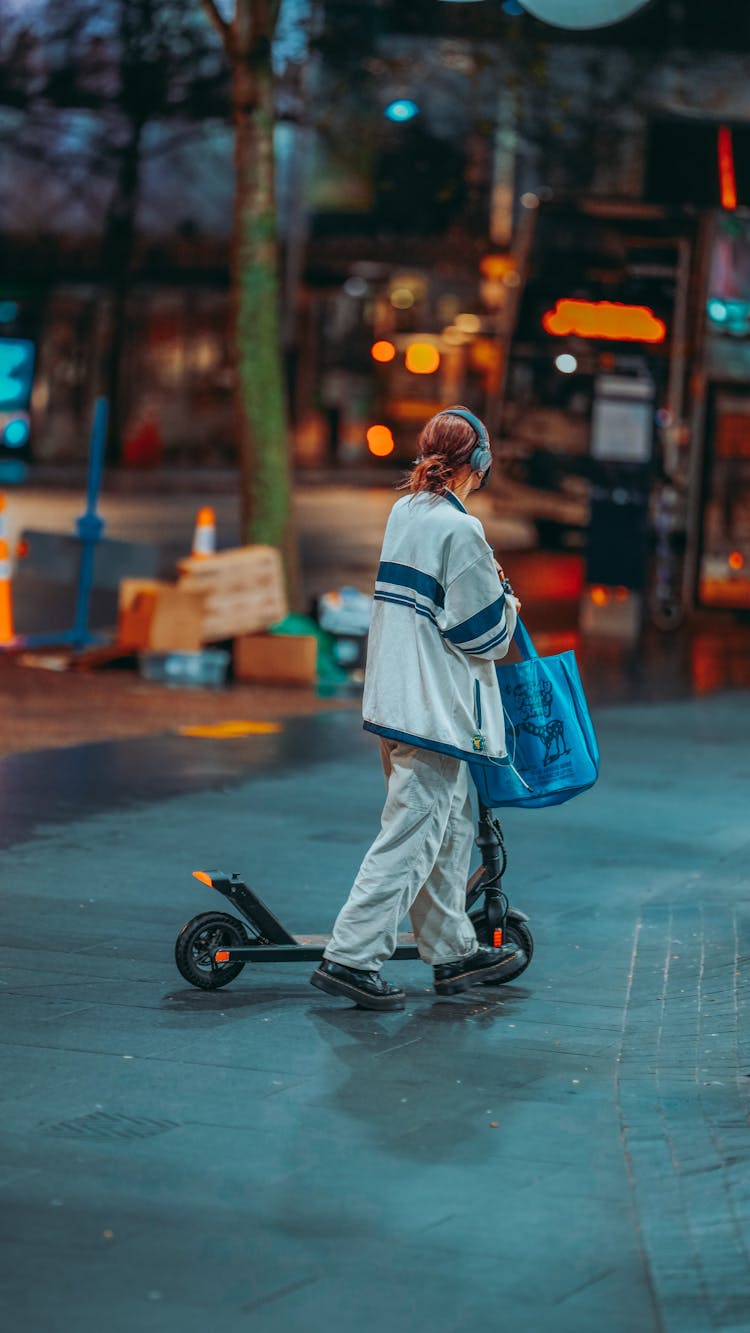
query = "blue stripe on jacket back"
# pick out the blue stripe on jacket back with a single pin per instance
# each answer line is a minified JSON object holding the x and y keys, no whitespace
{"x":405,"y":576}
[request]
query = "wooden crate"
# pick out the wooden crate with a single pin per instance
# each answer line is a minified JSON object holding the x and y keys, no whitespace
{"x":159,"y":616}
{"x":270,"y":659}
{"x":242,"y":589}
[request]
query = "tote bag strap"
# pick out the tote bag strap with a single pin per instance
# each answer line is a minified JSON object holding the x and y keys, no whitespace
{"x":523,"y":642}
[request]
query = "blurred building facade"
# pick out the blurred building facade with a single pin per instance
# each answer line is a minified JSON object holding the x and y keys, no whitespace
{"x":446,"y":176}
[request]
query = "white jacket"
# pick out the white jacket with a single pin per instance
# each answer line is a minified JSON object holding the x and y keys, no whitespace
{"x":440,"y":621}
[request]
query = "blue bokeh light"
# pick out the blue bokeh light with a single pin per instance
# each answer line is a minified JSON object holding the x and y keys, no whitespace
{"x":16,"y":372}
{"x":16,"y":433}
{"x":717,"y":311}
{"x":566,"y":364}
{"x":402,"y":109}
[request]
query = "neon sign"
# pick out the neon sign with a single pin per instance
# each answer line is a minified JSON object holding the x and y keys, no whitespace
{"x":16,"y":372}
{"x":604,"y":319}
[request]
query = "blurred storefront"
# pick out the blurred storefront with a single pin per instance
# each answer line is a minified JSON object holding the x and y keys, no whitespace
{"x":175,"y":373}
{"x":472,"y":208}
{"x":721,"y":511}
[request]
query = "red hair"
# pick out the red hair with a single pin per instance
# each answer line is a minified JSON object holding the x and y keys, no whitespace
{"x":445,"y":445}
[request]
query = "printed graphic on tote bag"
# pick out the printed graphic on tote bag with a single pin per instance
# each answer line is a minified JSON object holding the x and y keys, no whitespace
{"x":534,"y":704}
{"x":552,"y":750}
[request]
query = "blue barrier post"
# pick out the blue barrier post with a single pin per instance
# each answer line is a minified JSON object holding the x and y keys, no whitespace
{"x":90,"y":528}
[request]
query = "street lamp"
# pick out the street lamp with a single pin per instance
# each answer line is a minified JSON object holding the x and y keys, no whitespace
{"x":566,"y":364}
{"x":580,"y":14}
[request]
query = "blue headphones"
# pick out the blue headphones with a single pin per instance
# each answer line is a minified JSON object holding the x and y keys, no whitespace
{"x":481,"y":457}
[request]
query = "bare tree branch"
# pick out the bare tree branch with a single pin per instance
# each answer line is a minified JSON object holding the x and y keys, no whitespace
{"x":217,"y":21}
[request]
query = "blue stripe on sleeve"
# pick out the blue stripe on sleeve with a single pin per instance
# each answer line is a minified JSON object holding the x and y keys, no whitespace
{"x":491,"y":618}
{"x":409,"y":602}
{"x":490,"y":643}
{"x":406,"y":577}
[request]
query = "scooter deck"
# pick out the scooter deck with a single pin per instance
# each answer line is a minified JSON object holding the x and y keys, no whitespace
{"x":403,"y":941}
{"x":307,"y":949}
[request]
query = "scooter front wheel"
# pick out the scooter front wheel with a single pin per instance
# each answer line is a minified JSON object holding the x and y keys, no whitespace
{"x":517,"y":933}
{"x":197,"y":943}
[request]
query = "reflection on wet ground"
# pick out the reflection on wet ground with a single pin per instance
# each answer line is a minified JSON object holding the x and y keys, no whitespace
{"x":680,"y":664}
{"x":707,"y":653}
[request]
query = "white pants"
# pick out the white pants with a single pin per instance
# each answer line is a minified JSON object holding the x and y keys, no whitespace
{"x":419,"y":863}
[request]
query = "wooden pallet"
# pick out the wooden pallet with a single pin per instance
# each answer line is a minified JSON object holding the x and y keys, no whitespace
{"x":242,"y":590}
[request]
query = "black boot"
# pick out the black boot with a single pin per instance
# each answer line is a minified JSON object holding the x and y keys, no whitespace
{"x":367,"y":988}
{"x":484,"y":965}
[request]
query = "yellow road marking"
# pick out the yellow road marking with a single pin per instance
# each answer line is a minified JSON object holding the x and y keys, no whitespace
{"x":227,"y":730}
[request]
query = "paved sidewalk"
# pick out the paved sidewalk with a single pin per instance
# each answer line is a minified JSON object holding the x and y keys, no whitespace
{"x":48,"y":708}
{"x":567,"y":1155}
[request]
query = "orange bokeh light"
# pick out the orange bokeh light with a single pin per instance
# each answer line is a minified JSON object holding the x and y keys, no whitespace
{"x":605,"y":319}
{"x":736,"y":560}
{"x":727,"y":177}
{"x":382,"y":351}
{"x":422,"y":358}
{"x":599,"y":596}
{"x":380,"y":441}
{"x":495,"y":267}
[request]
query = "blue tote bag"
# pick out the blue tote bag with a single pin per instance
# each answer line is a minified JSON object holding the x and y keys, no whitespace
{"x":550,"y":737}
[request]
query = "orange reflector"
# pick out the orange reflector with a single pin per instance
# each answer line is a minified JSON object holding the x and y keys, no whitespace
{"x":497,"y":939}
{"x":222,"y":956}
{"x":203,"y":877}
{"x":735,"y":560}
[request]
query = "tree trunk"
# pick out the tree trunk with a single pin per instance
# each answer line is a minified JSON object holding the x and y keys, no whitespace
{"x":264,"y":466}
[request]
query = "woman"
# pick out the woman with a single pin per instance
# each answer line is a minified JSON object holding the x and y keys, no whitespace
{"x":441,"y":619}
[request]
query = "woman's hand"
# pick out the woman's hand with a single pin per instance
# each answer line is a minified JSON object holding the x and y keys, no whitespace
{"x":509,"y":593}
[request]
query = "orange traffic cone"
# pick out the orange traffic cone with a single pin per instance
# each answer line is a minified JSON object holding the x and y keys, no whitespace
{"x":204,"y":536}
{"x":6,"y":594}
{"x":7,"y":636}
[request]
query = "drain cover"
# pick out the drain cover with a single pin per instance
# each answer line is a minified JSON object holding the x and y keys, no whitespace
{"x":106,"y":1125}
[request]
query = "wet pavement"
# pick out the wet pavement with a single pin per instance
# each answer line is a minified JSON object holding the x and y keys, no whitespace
{"x":566,"y":1155}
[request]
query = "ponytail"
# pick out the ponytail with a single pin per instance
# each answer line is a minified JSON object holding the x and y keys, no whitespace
{"x":431,"y":473}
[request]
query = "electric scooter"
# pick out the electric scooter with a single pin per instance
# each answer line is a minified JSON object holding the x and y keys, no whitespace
{"x":212,"y":948}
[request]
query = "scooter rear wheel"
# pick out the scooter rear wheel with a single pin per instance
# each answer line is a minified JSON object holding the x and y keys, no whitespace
{"x":198,"y":941}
